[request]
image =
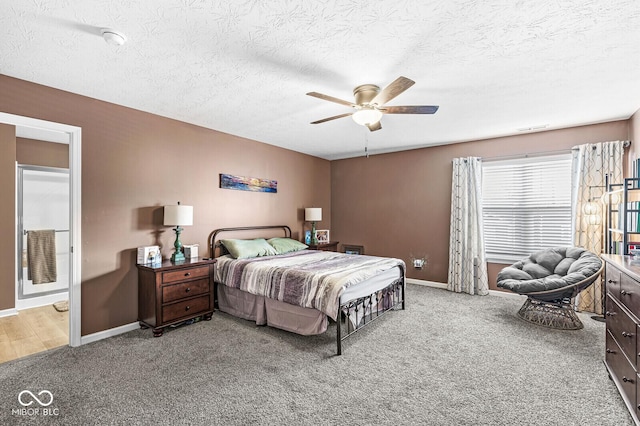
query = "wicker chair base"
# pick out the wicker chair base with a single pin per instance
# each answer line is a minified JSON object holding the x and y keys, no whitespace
{"x":548,"y":314}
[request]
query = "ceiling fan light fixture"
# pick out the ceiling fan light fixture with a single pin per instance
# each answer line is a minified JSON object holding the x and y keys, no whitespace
{"x":367,"y":115}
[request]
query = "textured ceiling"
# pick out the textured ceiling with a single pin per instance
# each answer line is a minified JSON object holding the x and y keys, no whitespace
{"x":243,"y":67}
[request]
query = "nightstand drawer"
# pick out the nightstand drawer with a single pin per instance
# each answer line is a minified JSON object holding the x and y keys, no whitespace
{"x":185,"y":308}
{"x":185,"y":274}
{"x":174,"y":292}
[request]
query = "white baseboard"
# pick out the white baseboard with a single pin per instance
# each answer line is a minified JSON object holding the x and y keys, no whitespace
{"x":8,"y":312}
{"x":427,"y":283}
{"x":89,"y":338}
{"x":444,"y":287}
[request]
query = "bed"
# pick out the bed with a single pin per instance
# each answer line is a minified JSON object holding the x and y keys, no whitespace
{"x":301,"y":290}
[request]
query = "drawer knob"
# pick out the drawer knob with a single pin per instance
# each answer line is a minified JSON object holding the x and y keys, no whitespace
{"x":610,"y":281}
{"x":187,"y":274}
{"x":625,"y":293}
{"x":188,"y":290}
{"x":625,"y":334}
{"x":624,"y":379}
{"x":187,"y":308}
{"x":609,"y":351}
{"x":610,"y":314}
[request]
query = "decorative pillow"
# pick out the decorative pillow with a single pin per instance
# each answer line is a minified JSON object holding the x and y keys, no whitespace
{"x":286,"y":245}
{"x":245,"y":249}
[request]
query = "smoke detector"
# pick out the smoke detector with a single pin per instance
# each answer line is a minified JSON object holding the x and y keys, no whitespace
{"x":113,"y":37}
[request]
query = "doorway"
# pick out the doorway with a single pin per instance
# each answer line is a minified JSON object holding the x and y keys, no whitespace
{"x":43,"y":203}
{"x":32,"y":128}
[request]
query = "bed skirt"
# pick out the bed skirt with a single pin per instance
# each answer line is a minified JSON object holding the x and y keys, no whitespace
{"x":271,"y":312}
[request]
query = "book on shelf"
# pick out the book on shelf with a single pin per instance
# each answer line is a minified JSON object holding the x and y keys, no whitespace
{"x":632,"y":214}
{"x":616,"y":247}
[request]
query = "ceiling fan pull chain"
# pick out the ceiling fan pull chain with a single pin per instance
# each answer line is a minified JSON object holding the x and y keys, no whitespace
{"x":366,"y":144}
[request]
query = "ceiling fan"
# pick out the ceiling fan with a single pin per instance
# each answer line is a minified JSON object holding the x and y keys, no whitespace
{"x":369,"y":103}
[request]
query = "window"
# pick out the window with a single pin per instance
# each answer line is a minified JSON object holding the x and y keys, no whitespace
{"x":526,"y":206}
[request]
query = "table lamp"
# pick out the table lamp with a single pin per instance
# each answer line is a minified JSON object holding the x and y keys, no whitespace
{"x":313,"y":215}
{"x":178,"y":216}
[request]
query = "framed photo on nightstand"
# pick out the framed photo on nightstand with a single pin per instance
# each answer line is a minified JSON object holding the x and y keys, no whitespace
{"x":322,"y":235}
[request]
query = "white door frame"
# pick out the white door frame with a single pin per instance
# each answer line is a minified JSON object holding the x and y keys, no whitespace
{"x":74,"y":139}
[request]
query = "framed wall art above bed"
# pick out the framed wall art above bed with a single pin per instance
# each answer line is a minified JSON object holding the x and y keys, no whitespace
{"x":277,"y":281}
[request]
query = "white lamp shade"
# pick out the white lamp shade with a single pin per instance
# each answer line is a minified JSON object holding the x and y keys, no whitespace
{"x":591,"y":208}
{"x":313,"y":214}
{"x":594,"y":219}
{"x":178,"y":215}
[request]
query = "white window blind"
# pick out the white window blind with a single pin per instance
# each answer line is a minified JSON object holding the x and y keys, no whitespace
{"x":526,"y":206}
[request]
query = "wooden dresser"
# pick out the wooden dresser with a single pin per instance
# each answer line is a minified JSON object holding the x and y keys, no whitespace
{"x":172,"y":293}
{"x":622,"y":313}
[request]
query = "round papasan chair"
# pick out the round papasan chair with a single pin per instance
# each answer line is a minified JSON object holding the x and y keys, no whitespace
{"x":550,"y":279}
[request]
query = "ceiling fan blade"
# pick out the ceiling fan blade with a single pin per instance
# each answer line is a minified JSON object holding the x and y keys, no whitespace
{"x":414,"y":109}
{"x":375,"y":126}
{"x":332,"y":118}
{"x":330,"y":99}
{"x":391,"y":91}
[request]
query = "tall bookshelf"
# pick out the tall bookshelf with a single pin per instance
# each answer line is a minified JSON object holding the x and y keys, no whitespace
{"x":623,"y":216}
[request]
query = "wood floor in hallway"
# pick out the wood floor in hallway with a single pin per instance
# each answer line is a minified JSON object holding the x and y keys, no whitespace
{"x":32,"y":330}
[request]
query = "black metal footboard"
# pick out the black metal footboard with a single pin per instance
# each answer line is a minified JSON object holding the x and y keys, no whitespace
{"x":364,"y":310}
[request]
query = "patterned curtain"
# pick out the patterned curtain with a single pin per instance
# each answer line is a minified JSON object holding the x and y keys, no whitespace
{"x":467,"y":263}
{"x":592,"y":163}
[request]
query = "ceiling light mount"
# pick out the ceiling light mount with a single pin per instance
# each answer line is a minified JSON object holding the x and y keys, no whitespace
{"x":365,"y":93}
{"x":113,"y":37}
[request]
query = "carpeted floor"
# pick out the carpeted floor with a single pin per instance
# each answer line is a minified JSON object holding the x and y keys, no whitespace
{"x":448,"y":359}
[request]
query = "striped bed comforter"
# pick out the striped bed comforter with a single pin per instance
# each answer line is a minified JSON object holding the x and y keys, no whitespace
{"x":307,"y":278}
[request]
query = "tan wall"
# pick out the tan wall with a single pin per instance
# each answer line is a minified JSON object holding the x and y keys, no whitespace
{"x":133,"y":163}
{"x":634,"y":137}
{"x":41,"y":153}
{"x":8,"y":215}
{"x":399,"y":203}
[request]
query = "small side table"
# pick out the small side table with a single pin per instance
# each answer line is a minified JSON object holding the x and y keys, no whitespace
{"x":171,"y":293}
{"x":330,"y":246}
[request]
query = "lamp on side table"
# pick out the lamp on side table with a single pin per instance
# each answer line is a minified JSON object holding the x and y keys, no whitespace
{"x":313,"y":215}
{"x":178,"y":216}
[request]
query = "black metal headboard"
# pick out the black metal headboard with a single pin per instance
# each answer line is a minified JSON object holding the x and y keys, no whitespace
{"x":213,"y":237}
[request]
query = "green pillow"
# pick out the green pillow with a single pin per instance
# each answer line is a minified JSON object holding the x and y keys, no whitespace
{"x":244,"y":249}
{"x":286,"y":245}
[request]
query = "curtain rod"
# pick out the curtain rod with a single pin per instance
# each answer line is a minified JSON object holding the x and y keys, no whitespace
{"x":527,"y":155}
{"x":541,"y":153}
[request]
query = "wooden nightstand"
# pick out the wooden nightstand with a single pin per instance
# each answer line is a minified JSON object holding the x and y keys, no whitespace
{"x":330,"y":246}
{"x":172,"y":293}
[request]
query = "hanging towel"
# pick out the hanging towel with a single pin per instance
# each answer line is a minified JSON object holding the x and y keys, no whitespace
{"x":41,"y":256}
